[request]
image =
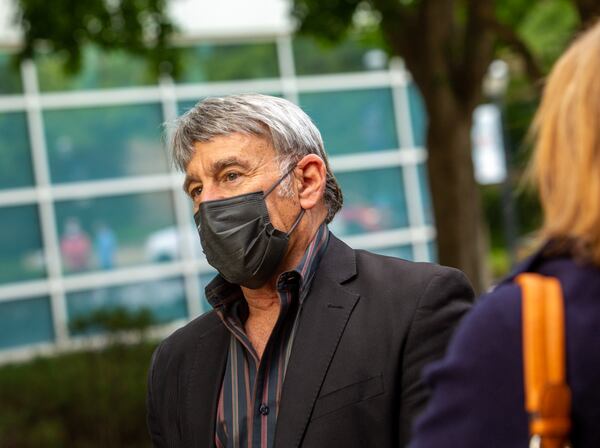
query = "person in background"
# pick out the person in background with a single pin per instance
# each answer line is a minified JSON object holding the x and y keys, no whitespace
{"x":75,"y":246}
{"x":105,"y":244}
{"x":478,"y":388}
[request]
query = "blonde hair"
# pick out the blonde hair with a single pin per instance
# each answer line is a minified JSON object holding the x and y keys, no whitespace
{"x":566,"y":163}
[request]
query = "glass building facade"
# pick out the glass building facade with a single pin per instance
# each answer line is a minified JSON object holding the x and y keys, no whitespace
{"x":92,"y":214}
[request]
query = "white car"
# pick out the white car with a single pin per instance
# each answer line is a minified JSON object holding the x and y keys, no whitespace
{"x":166,"y":244}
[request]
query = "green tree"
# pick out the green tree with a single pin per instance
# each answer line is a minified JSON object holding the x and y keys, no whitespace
{"x":141,"y":27}
{"x":447,"y":46}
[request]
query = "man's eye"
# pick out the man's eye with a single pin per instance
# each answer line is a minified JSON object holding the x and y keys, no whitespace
{"x":195,"y":192}
{"x":230,"y":177}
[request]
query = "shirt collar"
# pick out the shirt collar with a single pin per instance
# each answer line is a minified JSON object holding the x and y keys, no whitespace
{"x":220,"y":292}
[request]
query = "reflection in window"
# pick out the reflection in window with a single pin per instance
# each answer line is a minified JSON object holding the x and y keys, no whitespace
{"x":15,"y":168}
{"x":432,"y":249}
{"x":313,"y":57}
{"x":418,"y":118}
{"x":353,"y":121}
{"x":425,"y":194}
{"x":97,"y":143}
{"x":164,"y":298}
{"x":404,"y":252}
{"x":10,"y":79}
{"x":373,"y":201}
{"x":225,"y":62}
{"x":105,"y":233}
{"x":184,"y":106}
{"x":21,"y":254}
{"x":205,"y":279}
{"x":25,"y":321}
{"x":99,"y":69}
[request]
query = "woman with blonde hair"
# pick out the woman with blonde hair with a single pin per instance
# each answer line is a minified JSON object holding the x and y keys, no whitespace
{"x":479,"y":392}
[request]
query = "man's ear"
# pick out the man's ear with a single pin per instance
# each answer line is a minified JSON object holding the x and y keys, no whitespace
{"x":310,"y":175}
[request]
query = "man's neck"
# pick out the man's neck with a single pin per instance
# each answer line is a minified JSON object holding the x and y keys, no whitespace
{"x":304,"y":234}
{"x":264,"y":303}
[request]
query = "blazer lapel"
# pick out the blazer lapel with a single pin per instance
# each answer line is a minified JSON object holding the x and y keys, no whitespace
{"x":202,"y":386}
{"x":325,"y":314}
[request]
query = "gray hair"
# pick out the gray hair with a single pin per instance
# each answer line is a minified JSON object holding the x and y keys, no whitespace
{"x":286,"y":126}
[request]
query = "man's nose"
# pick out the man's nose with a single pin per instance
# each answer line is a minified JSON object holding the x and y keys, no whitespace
{"x":210,"y":193}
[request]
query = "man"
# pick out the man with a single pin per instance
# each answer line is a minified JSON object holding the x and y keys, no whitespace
{"x":310,"y":343}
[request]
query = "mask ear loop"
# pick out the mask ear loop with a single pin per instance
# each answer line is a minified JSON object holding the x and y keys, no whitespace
{"x":270,"y":190}
{"x":272,"y":187}
{"x":298,"y":219}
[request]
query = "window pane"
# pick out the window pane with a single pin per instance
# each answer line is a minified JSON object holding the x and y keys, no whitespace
{"x":164,"y":298}
{"x":99,"y":69}
{"x":15,"y":168}
{"x":25,"y":321}
{"x":432,"y":248}
{"x":205,"y":279}
{"x":97,"y":143}
{"x":166,"y":243}
{"x":314,"y":57}
{"x":10,"y":79}
{"x":353,"y":121}
{"x":418,"y":116}
{"x":425,"y":194}
{"x":184,"y":106}
{"x":405,"y":252}
{"x":21,"y":255}
{"x":373,"y":201}
{"x":112,"y":232}
{"x":225,"y":62}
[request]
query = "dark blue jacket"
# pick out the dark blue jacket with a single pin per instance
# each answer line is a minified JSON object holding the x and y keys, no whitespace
{"x":478,"y":395}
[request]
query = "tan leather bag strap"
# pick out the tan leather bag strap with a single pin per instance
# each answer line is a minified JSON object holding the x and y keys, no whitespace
{"x":547,"y":395}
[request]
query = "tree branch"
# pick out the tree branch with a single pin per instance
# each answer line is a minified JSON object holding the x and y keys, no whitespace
{"x":478,"y":53}
{"x":399,"y":25}
{"x":589,"y":11}
{"x":507,"y":35}
{"x":422,"y":36}
{"x":436,"y":26}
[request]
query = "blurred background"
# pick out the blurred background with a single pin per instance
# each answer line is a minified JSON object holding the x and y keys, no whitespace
{"x":424,"y":107}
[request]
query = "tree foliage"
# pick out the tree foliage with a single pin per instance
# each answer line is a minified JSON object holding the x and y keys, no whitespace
{"x":526,"y":27}
{"x":142,"y":27}
{"x":447,"y":46}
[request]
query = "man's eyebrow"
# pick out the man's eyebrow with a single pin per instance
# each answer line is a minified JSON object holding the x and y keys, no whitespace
{"x":220,"y":165}
{"x":216,"y":167}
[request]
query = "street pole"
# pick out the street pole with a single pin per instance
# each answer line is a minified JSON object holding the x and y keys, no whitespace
{"x":495,"y":86}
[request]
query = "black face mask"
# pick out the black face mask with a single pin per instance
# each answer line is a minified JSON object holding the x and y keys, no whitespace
{"x":239,"y":240}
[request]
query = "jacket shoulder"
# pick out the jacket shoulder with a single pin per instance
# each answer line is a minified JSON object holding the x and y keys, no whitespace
{"x":182,"y":340}
{"x":413,"y":276}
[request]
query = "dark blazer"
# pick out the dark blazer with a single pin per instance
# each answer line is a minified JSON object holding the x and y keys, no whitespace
{"x":478,"y":392}
{"x":368,"y":326}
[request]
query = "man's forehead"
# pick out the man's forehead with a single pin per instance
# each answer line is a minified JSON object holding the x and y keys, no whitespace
{"x":223,"y":151}
{"x":233,"y":145}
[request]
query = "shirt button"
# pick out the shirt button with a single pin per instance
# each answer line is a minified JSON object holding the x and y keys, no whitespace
{"x":263,"y":409}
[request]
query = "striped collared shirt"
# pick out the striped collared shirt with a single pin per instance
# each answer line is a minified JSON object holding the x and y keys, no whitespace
{"x":250,"y":393}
